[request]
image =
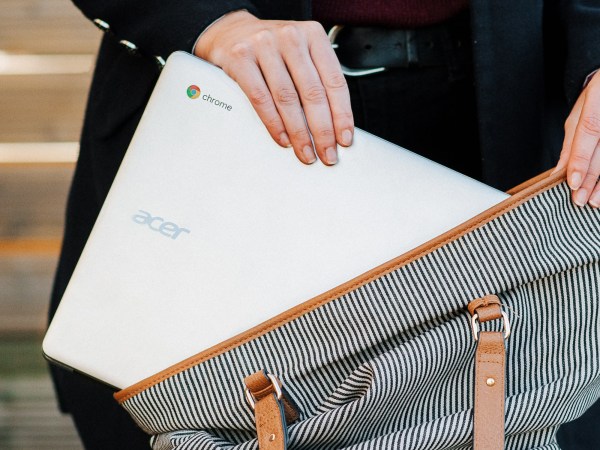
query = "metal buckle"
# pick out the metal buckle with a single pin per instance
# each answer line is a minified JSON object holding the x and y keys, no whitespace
{"x":335,"y":30}
{"x":475,"y":326}
{"x":278,"y":392}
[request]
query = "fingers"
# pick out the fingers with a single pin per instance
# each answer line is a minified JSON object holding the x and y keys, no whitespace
{"x":585,"y":139}
{"x":292,"y":77}
{"x":312,"y":94}
{"x":590,"y":188}
{"x":581,"y":147}
{"x":330,"y":72}
{"x":570,"y":125}
{"x":286,"y":100}
{"x":250,"y":79}
{"x":595,"y":196}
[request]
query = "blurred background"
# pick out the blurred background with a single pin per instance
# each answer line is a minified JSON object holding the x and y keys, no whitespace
{"x":47,"y":51}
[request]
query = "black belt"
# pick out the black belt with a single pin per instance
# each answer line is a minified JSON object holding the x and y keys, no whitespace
{"x":363,"y":50}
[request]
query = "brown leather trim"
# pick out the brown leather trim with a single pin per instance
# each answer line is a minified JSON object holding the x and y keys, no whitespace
{"x":525,"y":184}
{"x":542,"y":183}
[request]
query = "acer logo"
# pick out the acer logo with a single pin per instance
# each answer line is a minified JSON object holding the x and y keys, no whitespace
{"x":168,"y":229}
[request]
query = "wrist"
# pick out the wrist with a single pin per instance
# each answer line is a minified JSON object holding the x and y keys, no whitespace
{"x":205,"y":41}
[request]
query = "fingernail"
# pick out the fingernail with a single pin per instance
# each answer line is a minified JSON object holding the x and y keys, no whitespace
{"x":331,"y":155}
{"x":575,"y":181}
{"x":347,"y":137}
{"x":309,"y":155}
{"x":595,"y":200}
{"x":581,"y":197}
{"x":285,"y":140}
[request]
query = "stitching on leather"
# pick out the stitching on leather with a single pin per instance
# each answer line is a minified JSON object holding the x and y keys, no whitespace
{"x":125,"y":394}
{"x":492,"y":361}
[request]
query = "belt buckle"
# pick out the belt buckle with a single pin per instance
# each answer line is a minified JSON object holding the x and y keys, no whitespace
{"x":335,"y":30}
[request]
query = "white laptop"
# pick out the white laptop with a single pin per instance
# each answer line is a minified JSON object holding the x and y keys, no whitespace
{"x":210,"y":228}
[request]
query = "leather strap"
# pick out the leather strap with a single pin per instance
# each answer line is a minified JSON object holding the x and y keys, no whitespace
{"x":490,"y":370}
{"x":488,"y":425}
{"x":429,"y":46}
{"x":270,"y":424}
{"x":478,"y":306}
{"x":272,"y":410}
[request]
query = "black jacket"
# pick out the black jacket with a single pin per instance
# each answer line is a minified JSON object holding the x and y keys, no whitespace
{"x":531,"y":58}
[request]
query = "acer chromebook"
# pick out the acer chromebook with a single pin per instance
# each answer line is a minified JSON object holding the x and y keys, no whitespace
{"x":211,"y":228}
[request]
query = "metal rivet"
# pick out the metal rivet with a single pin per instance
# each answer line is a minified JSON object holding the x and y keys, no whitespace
{"x":130,"y":46}
{"x":101,"y":24}
{"x":490,"y":382}
{"x":272,"y":438}
{"x":160,"y":61}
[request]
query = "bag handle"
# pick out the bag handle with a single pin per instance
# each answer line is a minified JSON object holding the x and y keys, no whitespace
{"x":490,"y":374}
{"x":273,"y":411}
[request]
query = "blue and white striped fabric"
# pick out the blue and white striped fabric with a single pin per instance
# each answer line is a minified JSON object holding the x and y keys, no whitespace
{"x":389,"y":364}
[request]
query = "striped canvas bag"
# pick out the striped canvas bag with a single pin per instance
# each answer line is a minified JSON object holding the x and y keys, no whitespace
{"x":485,"y":337}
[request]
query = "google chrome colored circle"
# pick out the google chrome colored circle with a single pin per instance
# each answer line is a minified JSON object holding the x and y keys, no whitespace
{"x":193,"y":91}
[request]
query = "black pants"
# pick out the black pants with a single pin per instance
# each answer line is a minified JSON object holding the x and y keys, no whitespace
{"x":430,"y":111}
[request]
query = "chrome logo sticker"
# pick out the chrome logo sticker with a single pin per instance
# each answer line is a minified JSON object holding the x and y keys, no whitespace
{"x":193,"y":91}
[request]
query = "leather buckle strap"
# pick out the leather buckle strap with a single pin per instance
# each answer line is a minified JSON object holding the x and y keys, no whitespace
{"x":272,"y":410}
{"x":482,"y":310}
{"x":365,"y":50}
{"x":490,"y":369}
{"x":333,"y":33}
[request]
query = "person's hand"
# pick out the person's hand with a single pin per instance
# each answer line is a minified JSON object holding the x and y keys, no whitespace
{"x":581,"y":147}
{"x":289,"y":71}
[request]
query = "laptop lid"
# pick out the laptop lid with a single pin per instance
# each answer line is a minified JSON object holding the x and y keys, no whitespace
{"x":210,"y":228}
